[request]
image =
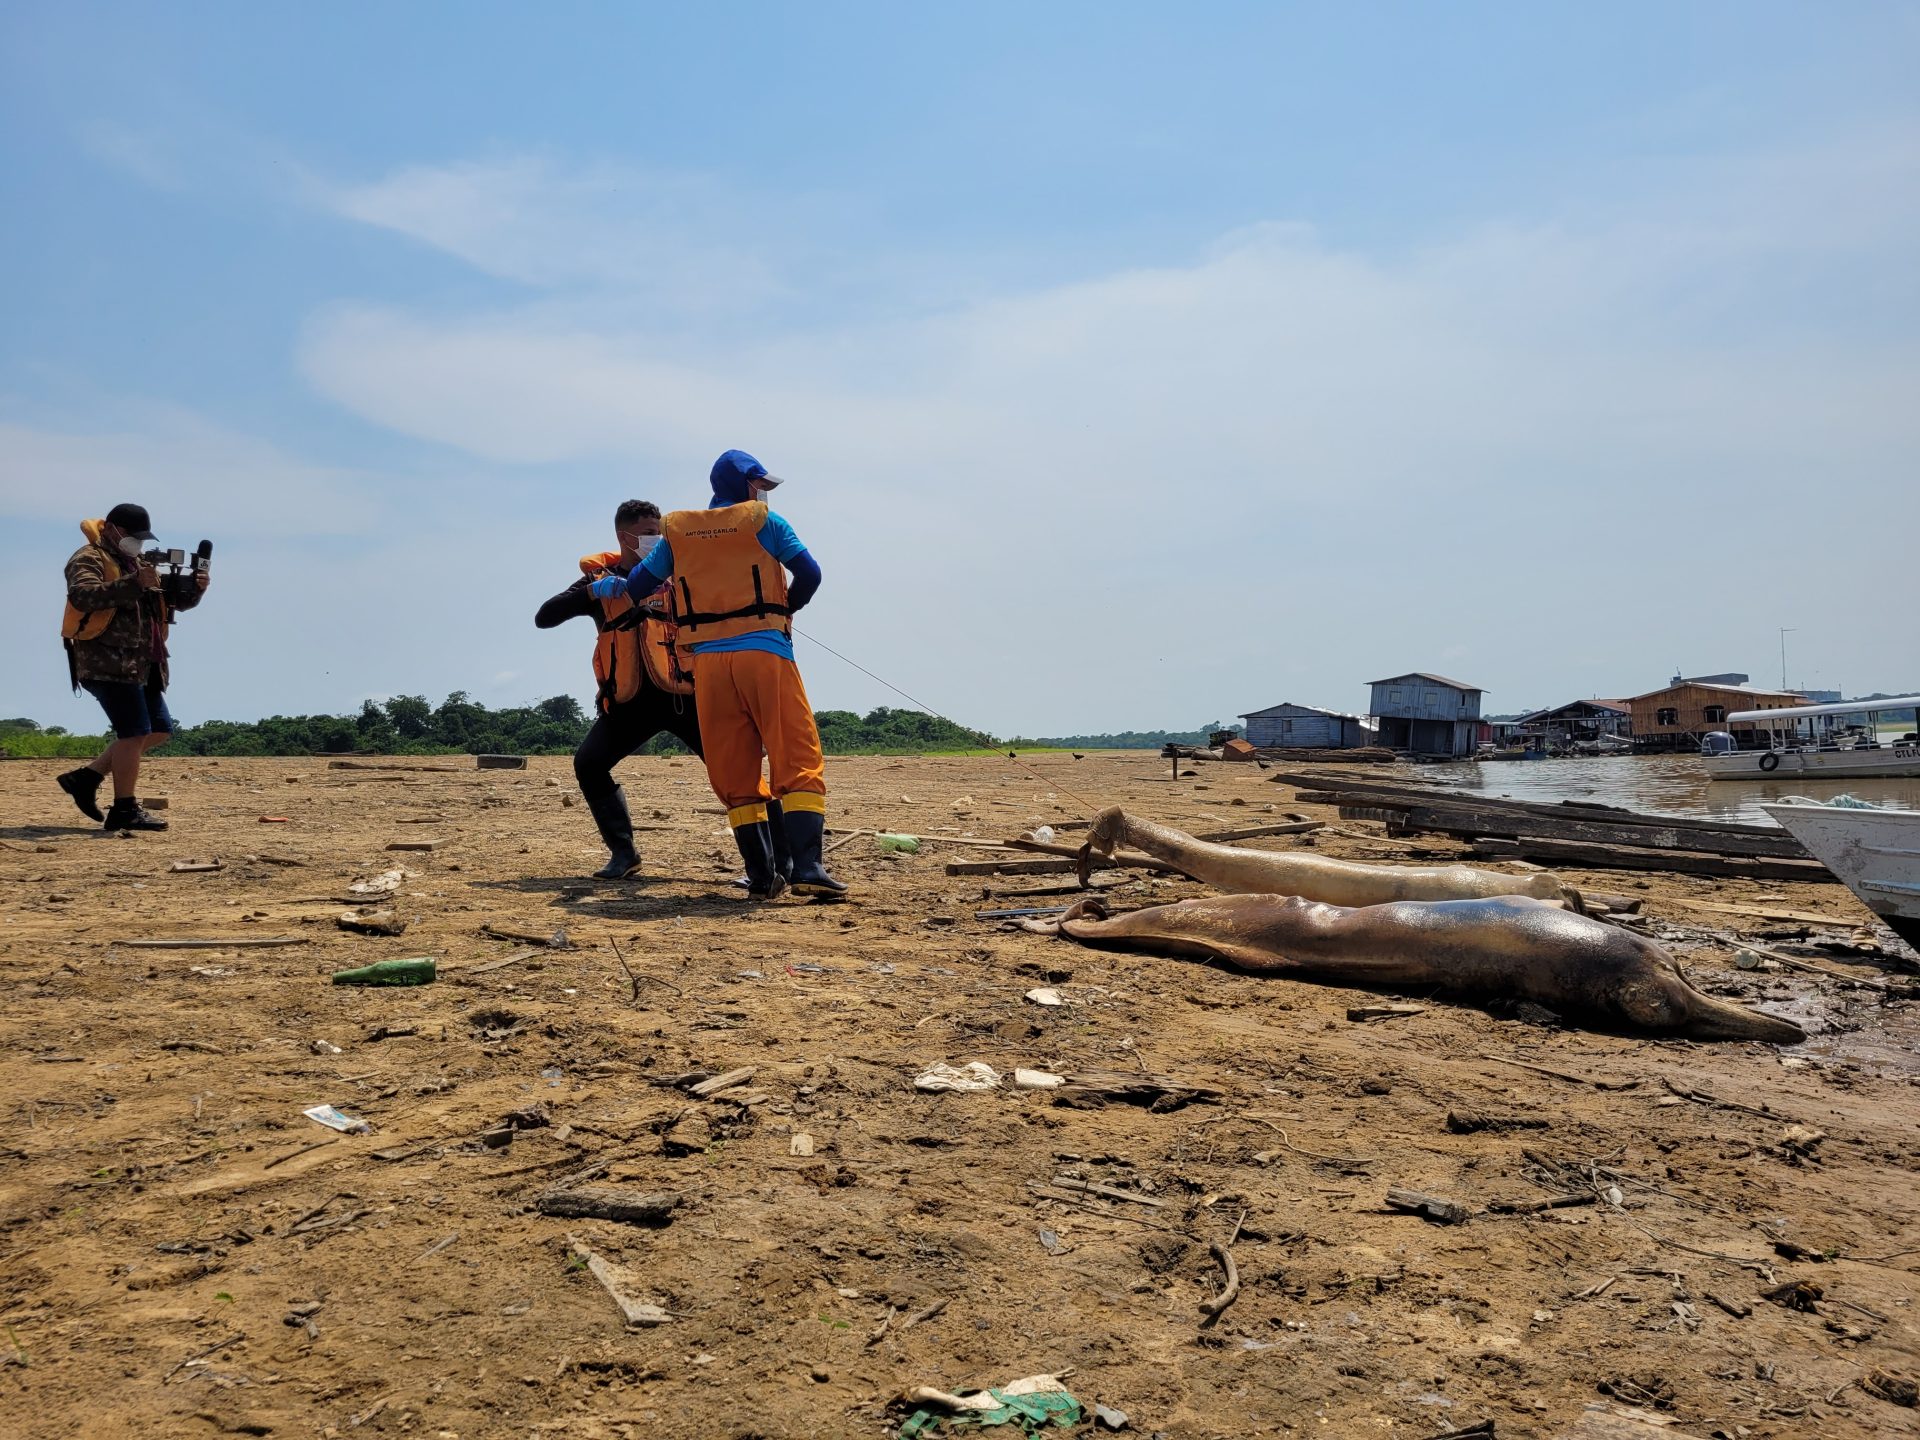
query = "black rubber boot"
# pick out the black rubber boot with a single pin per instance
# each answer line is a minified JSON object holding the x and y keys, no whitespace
{"x":764,"y":880}
{"x":84,"y":786}
{"x":782,"y":851}
{"x":127,"y":815}
{"x":806,"y":829}
{"x":616,"y":829}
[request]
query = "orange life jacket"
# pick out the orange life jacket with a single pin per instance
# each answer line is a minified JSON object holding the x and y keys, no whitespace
{"x":724,"y":581}
{"x":81,"y":625}
{"x":631,"y":645}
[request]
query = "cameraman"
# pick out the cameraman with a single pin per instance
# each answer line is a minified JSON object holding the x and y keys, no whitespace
{"x":115,"y":631}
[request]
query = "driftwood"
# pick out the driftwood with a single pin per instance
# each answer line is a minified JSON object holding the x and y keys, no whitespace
{"x":1254,"y":832}
{"x":391,"y":765}
{"x":1431,"y":1207}
{"x":1365,"y":1014}
{"x":1105,"y":1192}
{"x":1545,"y":1202}
{"x":1159,"y":1093}
{"x":622,"y":1286}
{"x":609,"y":1202}
{"x":252,"y":942}
{"x":1230,"y":1287}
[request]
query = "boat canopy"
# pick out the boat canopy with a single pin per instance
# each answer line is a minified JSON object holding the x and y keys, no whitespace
{"x":1848,"y":707}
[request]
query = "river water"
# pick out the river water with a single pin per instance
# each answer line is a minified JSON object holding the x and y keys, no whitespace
{"x":1656,"y":784}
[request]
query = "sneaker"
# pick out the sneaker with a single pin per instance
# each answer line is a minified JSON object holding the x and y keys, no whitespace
{"x":127,"y":815}
{"x":84,"y":785}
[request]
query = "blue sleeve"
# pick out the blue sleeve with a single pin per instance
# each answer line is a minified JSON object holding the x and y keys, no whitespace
{"x":778,"y":540}
{"x":658,"y":563}
{"x":806,"y":579}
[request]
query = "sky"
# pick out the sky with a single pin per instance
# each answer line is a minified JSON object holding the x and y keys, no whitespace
{"x":1130,"y":365}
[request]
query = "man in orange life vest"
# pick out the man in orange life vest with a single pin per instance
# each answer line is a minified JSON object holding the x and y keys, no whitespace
{"x":640,"y":687}
{"x":732,"y":605}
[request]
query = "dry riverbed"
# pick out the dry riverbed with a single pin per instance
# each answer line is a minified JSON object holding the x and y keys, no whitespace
{"x":186,"y":1253}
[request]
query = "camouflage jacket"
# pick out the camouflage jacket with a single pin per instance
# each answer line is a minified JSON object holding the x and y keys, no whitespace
{"x":134,"y":644}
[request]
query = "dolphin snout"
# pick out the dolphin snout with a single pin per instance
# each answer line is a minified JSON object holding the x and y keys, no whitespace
{"x":1712,"y":1019}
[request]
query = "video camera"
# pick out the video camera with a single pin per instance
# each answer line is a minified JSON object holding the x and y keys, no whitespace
{"x":179,"y":572}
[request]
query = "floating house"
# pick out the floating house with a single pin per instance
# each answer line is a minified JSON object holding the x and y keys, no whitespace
{"x":1677,"y":715}
{"x":1305,"y":728}
{"x":1580,"y":720}
{"x":1426,"y":714}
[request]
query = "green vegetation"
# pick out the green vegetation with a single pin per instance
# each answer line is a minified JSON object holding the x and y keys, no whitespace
{"x":28,"y":740}
{"x":409,"y":725}
{"x":1127,"y":739}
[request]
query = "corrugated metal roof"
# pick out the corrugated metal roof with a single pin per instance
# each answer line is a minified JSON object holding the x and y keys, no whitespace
{"x":1429,"y":675}
{"x":1290,"y":705}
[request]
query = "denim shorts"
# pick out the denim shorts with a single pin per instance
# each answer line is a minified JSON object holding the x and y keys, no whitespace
{"x":133,"y":710}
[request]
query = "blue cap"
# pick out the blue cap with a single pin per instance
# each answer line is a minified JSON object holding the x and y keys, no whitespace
{"x":736,"y":473}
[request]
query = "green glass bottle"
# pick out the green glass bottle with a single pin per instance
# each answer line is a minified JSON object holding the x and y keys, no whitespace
{"x":415,"y":970}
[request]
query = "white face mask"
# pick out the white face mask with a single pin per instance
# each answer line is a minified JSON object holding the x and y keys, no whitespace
{"x":129,"y":547}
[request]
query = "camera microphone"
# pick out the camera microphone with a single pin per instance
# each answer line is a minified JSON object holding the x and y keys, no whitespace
{"x":203,"y":557}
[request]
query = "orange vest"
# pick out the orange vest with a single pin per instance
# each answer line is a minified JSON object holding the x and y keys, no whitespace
{"x":631,"y":644}
{"x":77,"y":624}
{"x":724,"y":581}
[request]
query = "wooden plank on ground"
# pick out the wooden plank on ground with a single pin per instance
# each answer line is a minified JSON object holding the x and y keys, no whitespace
{"x":1254,"y":832}
{"x":1012,"y":867}
{"x":1684,"y":862}
{"x":1650,"y":834}
{"x":390,"y":765}
{"x":250,"y":942}
{"x":1768,"y":912}
{"x":1340,"y":790}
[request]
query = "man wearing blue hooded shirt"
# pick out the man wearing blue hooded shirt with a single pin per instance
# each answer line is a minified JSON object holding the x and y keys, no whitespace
{"x":733,"y":605}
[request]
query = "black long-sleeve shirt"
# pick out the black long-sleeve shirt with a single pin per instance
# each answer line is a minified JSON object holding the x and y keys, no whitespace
{"x":571,"y":603}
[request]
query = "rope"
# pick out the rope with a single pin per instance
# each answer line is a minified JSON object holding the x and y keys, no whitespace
{"x":1053,"y":784}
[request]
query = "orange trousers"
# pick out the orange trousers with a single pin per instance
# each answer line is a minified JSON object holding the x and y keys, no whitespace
{"x":752,"y":703}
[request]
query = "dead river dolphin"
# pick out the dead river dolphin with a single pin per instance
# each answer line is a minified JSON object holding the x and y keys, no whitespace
{"x":1313,"y":877}
{"x":1508,"y":947}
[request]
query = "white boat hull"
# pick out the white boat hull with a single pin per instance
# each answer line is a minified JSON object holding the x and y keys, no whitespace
{"x":1861,"y":764}
{"x":1876,"y":854}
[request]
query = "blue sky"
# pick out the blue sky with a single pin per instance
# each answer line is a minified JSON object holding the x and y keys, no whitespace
{"x":1131,"y":365}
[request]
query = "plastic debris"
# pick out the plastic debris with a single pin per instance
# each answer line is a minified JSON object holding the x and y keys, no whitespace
{"x":1108,"y":1418}
{"x":897,"y":844}
{"x":335,"y":1120}
{"x":414,"y":970}
{"x":385,"y":883}
{"x":1046,"y":995}
{"x":1030,"y":1403}
{"x":968,"y":1078}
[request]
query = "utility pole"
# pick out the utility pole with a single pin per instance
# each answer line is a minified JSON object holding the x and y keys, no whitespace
{"x":1785,"y":630}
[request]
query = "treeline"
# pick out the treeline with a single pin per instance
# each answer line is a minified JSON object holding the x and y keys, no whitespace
{"x":1128,"y":739}
{"x":410,"y":725}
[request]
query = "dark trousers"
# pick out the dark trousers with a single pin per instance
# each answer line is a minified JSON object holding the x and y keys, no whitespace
{"x":623,"y":729}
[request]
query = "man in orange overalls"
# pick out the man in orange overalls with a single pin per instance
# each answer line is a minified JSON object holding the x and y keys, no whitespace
{"x":732,"y":604}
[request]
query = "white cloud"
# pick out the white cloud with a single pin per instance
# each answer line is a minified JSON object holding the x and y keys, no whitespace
{"x":671,"y":239}
{"x":1280,"y":467}
{"x":183,"y":468}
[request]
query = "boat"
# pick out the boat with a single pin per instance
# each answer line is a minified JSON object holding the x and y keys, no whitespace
{"x":1875,"y":853}
{"x":1839,"y":742}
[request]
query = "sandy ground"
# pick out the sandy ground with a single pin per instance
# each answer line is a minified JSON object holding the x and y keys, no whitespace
{"x":163,"y":1198}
